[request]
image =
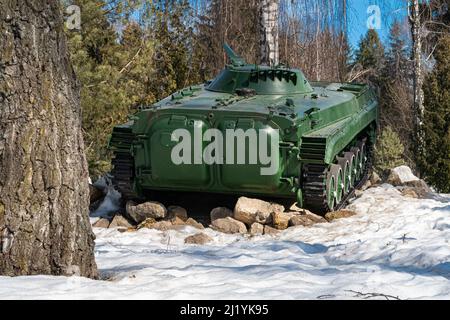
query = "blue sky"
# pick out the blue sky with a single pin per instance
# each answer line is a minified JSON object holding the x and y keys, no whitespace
{"x":391,"y":10}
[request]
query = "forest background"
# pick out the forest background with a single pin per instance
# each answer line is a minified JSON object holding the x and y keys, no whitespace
{"x":132,"y":53}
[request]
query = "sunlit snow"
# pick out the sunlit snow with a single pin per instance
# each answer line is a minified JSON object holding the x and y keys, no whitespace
{"x":394,"y":247}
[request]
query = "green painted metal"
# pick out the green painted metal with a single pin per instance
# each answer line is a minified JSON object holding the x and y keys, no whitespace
{"x":316,"y":122}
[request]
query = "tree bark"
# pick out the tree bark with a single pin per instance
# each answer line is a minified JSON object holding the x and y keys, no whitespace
{"x":269,"y":52}
{"x":414,"y":18}
{"x":44,"y":222}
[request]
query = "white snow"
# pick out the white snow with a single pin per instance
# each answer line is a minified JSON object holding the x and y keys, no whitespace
{"x":395,"y":246}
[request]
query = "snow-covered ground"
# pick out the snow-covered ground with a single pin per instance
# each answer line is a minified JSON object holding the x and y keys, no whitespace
{"x":395,"y":246}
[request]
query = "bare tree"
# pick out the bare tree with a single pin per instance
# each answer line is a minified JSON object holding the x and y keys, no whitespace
{"x":44,"y":197}
{"x":416,"y":26}
{"x":269,"y":12}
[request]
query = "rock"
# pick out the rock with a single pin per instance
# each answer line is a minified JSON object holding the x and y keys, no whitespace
{"x":280,"y":220}
{"x":101,"y":223}
{"x":191,"y":222}
{"x":199,"y":238}
{"x":300,"y":220}
{"x":220,"y":213}
{"x":229,"y":225}
{"x":401,"y":175}
{"x":256,"y":229}
{"x":366,"y":185}
{"x":162,"y":226}
{"x":420,"y":187}
{"x":151,"y":209}
{"x":306,"y":219}
{"x":120,"y":221}
{"x":358,"y":193}
{"x":95,"y":193}
{"x":147,"y":223}
{"x":254,"y":210}
{"x":314,"y":217}
{"x":375,"y":179}
{"x":330,"y":216}
{"x":177,"y":212}
{"x":409,"y":193}
{"x":271,"y":231}
{"x":295,"y":208}
{"x":177,"y":221}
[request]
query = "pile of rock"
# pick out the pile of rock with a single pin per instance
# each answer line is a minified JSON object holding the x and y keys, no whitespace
{"x":403,"y":179}
{"x":250,"y":216}
{"x":407,"y":183}
{"x":258,"y":217}
{"x":150,"y":214}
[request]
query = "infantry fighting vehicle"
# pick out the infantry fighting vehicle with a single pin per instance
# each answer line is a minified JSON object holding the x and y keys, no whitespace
{"x":315,"y":145}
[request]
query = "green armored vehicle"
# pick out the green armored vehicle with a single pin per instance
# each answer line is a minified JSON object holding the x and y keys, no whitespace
{"x":255,"y":131}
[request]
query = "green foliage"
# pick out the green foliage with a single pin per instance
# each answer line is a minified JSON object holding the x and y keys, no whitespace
{"x":370,"y":52}
{"x":120,"y":71}
{"x":436,"y":162}
{"x":396,"y":92}
{"x":388,"y":151}
{"x":370,"y":57}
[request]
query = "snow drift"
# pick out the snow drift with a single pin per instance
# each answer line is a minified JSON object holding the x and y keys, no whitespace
{"x":395,"y":247}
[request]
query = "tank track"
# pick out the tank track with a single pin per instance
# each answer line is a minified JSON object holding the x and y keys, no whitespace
{"x":314,"y":185}
{"x":123,"y":174}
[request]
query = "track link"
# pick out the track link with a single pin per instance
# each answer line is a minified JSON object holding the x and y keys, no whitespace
{"x":123,"y":174}
{"x":314,"y":185}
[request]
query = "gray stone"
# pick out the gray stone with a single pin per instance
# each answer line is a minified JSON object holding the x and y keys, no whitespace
{"x":301,"y":220}
{"x":401,"y":175}
{"x":177,"y":212}
{"x":220,"y":213}
{"x":141,"y":212}
{"x":358,"y":193}
{"x":177,"y":221}
{"x":229,"y":225}
{"x":375,"y":179}
{"x":330,"y":216}
{"x":314,"y":217}
{"x":409,"y":193}
{"x":147,"y":223}
{"x":120,"y":222}
{"x":191,"y":222}
{"x":280,"y":220}
{"x":420,"y":187}
{"x":254,"y":210}
{"x":256,"y":229}
{"x":199,"y":238}
{"x":162,"y":226}
{"x":101,"y":223}
{"x":270,"y":231}
{"x":366,"y":185}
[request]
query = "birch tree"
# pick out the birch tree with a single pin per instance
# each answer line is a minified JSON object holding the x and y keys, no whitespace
{"x":416,"y":27}
{"x":269,"y":12}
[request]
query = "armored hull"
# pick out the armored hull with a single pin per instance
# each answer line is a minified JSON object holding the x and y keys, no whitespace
{"x":254,"y":130}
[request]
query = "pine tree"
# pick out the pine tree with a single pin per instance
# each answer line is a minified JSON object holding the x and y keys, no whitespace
{"x":435,"y":163}
{"x":97,"y":60}
{"x":388,"y":151}
{"x":370,"y":57}
{"x":396,"y":92}
{"x":116,"y":74}
{"x":172,"y":54}
{"x":397,"y":64}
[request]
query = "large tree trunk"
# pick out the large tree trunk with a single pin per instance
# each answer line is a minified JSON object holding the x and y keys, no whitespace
{"x":269,"y":52}
{"x":419,"y":109}
{"x":44,"y":223}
